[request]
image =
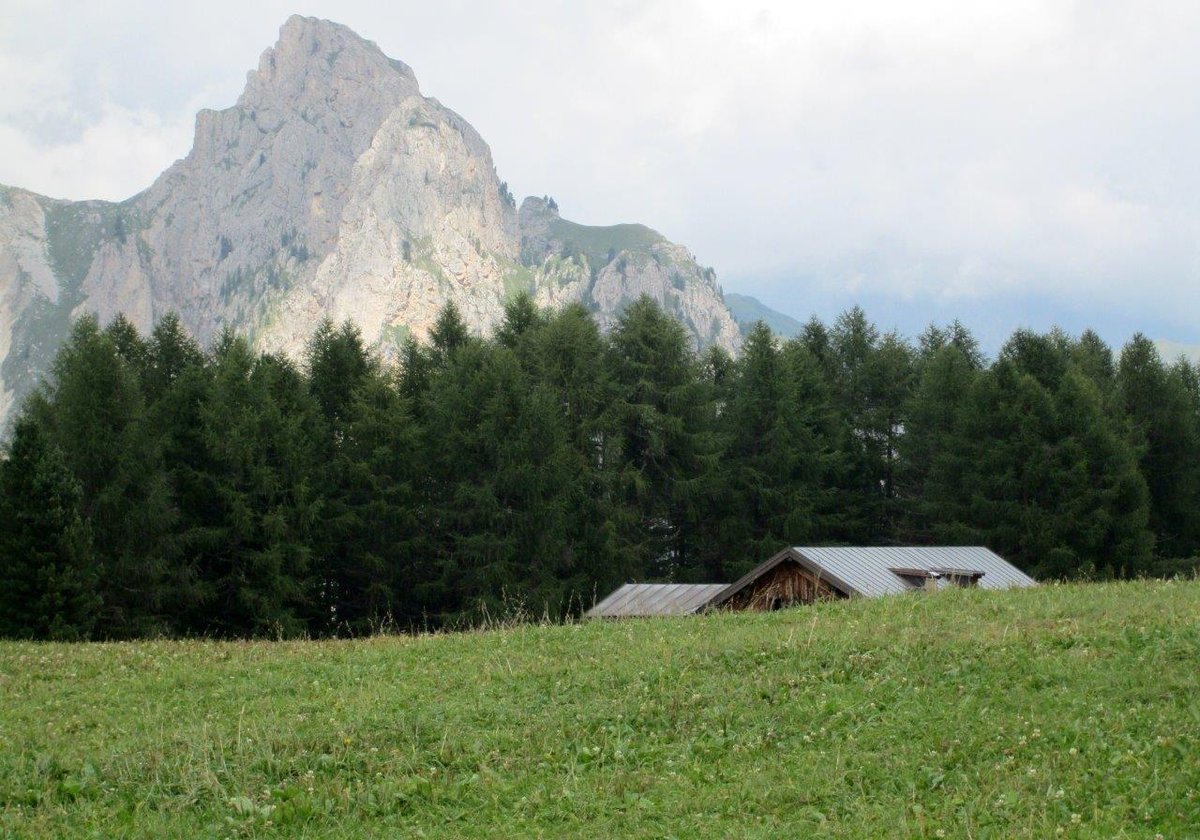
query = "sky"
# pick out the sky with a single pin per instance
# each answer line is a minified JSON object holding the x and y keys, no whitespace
{"x":1012,"y":164}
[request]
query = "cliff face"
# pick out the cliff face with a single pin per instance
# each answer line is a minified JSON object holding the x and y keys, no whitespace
{"x":332,"y":188}
{"x":607,"y":267}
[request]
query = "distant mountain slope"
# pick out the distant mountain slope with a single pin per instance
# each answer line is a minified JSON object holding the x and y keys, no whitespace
{"x":1172,"y":350}
{"x":331,"y":188}
{"x":748,"y":311}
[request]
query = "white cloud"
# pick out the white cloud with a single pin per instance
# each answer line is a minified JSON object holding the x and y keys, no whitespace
{"x":1037,"y":151}
{"x":114,"y":157}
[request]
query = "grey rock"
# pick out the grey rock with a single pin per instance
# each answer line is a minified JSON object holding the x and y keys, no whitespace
{"x":331,"y":188}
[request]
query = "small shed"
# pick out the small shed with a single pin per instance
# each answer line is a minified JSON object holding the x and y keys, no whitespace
{"x":646,"y":599}
{"x":804,"y":574}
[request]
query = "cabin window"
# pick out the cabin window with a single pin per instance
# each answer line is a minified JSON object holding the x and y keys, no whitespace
{"x":961,"y":578}
{"x":929,"y":578}
{"x":916,"y":578}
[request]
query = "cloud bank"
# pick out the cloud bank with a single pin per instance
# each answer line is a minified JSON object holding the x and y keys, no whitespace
{"x":1009,"y":163}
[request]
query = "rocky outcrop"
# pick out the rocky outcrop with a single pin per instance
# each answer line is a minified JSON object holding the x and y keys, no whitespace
{"x":331,"y":188}
{"x":607,"y":267}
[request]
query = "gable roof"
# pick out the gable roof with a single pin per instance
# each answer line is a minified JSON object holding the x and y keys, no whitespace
{"x":646,"y":599}
{"x":867,"y":571}
{"x":856,"y":571}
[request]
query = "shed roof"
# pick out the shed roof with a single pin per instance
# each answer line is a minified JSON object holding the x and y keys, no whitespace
{"x":645,"y":599}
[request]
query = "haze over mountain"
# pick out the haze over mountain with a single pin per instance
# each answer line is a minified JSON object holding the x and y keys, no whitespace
{"x":333,"y":188}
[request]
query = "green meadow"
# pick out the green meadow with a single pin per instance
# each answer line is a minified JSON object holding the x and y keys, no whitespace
{"x":1069,"y":711}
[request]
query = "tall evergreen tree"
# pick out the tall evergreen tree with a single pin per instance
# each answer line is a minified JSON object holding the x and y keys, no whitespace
{"x":449,"y":333}
{"x":94,"y":412}
{"x":48,"y":581}
{"x":251,"y":530}
{"x":778,"y":458}
{"x":874,"y":377}
{"x":1165,"y":418}
{"x":662,"y":418}
{"x":947,"y":375}
{"x":355,"y":571}
{"x":1042,"y":474}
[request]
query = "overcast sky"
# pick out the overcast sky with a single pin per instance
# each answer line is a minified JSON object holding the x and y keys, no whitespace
{"x":1011,"y":163}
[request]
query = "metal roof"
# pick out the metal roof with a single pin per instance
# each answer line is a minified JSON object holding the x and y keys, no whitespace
{"x":867,"y":570}
{"x":645,"y":599}
{"x":857,"y":571}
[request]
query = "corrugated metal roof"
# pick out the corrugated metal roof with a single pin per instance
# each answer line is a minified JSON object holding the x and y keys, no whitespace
{"x":867,"y":570}
{"x":645,"y":599}
{"x":858,"y":571}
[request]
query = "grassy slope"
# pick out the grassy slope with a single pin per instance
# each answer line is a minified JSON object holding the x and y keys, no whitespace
{"x":966,"y":713}
{"x":598,"y":242}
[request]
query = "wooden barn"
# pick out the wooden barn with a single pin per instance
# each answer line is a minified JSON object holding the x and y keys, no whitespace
{"x":804,"y":574}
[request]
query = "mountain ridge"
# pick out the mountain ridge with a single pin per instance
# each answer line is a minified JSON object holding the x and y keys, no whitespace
{"x":332,"y":188}
{"x":748,"y":311}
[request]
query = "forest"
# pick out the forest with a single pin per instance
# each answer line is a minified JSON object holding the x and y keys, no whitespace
{"x":155,"y":487}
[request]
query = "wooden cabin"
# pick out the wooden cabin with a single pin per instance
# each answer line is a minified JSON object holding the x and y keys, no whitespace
{"x":804,"y":574}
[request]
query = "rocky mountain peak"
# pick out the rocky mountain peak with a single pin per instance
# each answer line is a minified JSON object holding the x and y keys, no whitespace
{"x":332,"y":188}
{"x":319,"y":59}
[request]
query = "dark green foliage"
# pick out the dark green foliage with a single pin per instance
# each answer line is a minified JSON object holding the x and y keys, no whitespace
{"x":776,"y":454}
{"x":872,"y":380}
{"x":155,"y":487}
{"x":252,"y":531}
{"x":47,"y":579}
{"x":1164,"y":410}
{"x":663,"y":449}
{"x":1032,"y":467}
{"x":449,"y":334}
{"x":95,"y":414}
{"x":362,"y":442}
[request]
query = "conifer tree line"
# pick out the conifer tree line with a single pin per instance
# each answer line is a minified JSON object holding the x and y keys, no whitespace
{"x":152,"y":486}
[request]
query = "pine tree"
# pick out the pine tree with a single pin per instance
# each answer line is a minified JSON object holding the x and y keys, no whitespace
{"x":1037,"y":470}
{"x":94,"y":412}
{"x":665,"y":451}
{"x":1164,"y":415}
{"x":779,"y":457}
{"x":521,"y":315}
{"x":48,"y":581}
{"x":947,"y":375}
{"x":355,"y":571}
{"x":382,"y":511}
{"x":448,"y":335}
{"x":874,"y":376}
{"x":251,"y":529}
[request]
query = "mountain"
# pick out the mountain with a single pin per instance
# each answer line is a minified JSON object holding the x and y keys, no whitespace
{"x":332,"y":187}
{"x":1173,"y":350}
{"x":748,"y":311}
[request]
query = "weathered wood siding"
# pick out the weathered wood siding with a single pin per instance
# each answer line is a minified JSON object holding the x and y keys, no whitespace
{"x":784,"y":586}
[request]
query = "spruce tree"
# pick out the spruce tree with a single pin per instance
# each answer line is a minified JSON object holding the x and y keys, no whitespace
{"x":94,"y":412}
{"x":251,"y":529}
{"x":48,"y":580}
{"x":1163,"y":412}
{"x":662,"y":418}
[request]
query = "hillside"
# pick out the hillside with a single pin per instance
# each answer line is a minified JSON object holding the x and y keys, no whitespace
{"x":748,"y":311}
{"x":1060,"y":711}
{"x":332,"y":187}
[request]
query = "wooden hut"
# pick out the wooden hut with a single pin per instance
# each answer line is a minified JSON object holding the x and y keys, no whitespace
{"x":804,"y":574}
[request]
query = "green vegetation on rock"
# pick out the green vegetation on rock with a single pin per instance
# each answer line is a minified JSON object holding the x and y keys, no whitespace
{"x":601,"y":245}
{"x":518,"y":279}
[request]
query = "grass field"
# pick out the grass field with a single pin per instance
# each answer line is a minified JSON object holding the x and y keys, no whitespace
{"x":1067,"y":711}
